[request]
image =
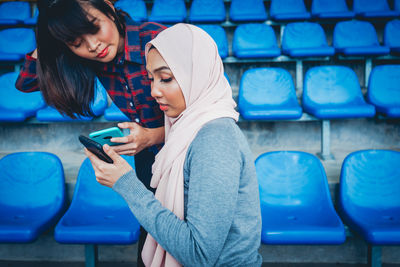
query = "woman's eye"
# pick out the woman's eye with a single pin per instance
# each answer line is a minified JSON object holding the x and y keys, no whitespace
{"x":76,"y":44}
{"x":166,"y":80}
{"x":150,"y":79}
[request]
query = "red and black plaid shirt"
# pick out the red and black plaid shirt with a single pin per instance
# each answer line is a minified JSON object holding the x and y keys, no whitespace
{"x":124,"y":78}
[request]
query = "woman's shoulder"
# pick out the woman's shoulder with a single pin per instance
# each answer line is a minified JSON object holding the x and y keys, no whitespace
{"x":151,"y":26}
{"x":219,"y":132}
{"x":220,"y":125}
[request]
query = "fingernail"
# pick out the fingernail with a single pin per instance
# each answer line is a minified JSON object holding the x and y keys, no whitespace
{"x":106,"y":147}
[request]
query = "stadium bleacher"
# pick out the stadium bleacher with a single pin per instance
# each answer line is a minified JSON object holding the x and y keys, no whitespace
{"x":296,"y":68}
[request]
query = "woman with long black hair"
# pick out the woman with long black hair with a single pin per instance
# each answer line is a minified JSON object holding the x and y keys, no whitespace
{"x":79,"y":40}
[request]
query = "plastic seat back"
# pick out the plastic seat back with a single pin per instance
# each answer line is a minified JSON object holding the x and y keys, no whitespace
{"x":15,"y":43}
{"x":295,"y":200}
{"x":135,"y":8}
{"x":369,"y":197}
{"x":288,"y":10}
{"x":357,"y":38}
{"x":14,"y":104}
{"x":373,"y":8}
{"x":32,"y":194}
{"x":113,"y":113}
{"x":371,"y":179}
{"x":207,"y":11}
{"x":384,"y":89}
{"x":168,"y":11}
{"x":31,"y":21}
{"x":397,"y":5}
{"x":331,"y":85}
{"x":219,"y":36}
{"x":268,"y":93}
{"x":292,"y":179}
{"x":14,"y":12}
{"x":98,"y":107}
{"x":334,"y":92}
{"x":89,"y":193}
{"x":250,"y":10}
{"x":97,"y":214}
{"x":330,"y":9}
{"x":305,"y":39}
{"x":254,"y":41}
{"x":391,"y":35}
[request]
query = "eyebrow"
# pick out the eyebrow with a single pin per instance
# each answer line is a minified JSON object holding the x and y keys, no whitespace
{"x":159,"y":69}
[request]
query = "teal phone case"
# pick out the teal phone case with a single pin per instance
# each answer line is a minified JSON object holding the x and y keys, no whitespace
{"x":103,"y":136}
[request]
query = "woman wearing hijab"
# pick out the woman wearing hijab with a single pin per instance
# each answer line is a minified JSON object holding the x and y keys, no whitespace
{"x":206,"y":209}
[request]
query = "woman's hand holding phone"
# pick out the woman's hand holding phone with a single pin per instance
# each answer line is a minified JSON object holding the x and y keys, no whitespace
{"x":138,"y":139}
{"x":108,"y":174}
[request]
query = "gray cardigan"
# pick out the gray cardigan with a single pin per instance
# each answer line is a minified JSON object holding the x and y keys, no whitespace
{"x":222,"y":220}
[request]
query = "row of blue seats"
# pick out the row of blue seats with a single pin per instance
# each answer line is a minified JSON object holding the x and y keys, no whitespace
{"x":329,"y":92}
{"x":295,"y":200}
{"x":299,"y":39}
{"x":306,"y":39}
{"x":174,"y":11}
{"x":17,"y":106}
{"x":206,"y":11}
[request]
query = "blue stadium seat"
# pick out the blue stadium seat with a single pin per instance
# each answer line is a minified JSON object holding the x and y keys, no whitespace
{"x":333,"y":92}
{"x":14,"y":12}
{"x":32,"y":195}
{"x":98,"y":107}
{"x":369,"y":198}
{"x":97,"y":214}
{"x":328,"y":9}
{"x":168,"y":11}
{"x":255,"y":41}
{"x":207,"y":11}
{"x":391,"y":36}
{"x":355,"y":38}
{"x":113,"y":113}
{"x":219,"y":36}
{"x":31,"y":21}
{"x":373,"y":9}
{"x":14,"y":104}
{"x":305,"y":39}
{"x":268,"y":94}
{"x":296,"y":205}
{"x":135,"y":8}
{"x":384,"y":90}
{"x":288,"y":10}
{"x":397,"y":5}
{"x":15,"y":43}
{"x":250,"y":10}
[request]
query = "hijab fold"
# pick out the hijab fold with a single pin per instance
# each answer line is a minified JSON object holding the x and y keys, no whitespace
{"x":193,"y":58}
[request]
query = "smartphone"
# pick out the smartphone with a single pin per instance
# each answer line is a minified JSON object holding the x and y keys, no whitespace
{"x":103,"y":136}
{"x":95,"y":148}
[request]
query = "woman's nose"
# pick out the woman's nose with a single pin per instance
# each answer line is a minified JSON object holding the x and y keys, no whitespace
{"x":155,"y":92}
{"x":93,"y":44}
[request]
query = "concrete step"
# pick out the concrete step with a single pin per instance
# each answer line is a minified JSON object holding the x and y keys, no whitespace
{"x":45,"y":248}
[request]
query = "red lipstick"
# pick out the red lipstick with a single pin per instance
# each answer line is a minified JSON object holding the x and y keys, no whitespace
{"x":163,"y":107}
{"x":103,"y":53}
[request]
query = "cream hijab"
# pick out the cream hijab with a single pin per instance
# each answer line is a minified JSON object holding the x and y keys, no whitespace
{"x":193,"y":58}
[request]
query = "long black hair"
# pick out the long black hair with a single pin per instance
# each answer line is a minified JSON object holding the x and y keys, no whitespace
{"x":66,"y":80}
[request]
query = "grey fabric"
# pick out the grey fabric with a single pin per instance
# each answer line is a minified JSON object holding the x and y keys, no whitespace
{"x":222,"y":224}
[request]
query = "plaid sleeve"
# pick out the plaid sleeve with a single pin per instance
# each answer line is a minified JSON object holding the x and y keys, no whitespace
{"x":149,"y":31}
{"x":27,"y":80}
